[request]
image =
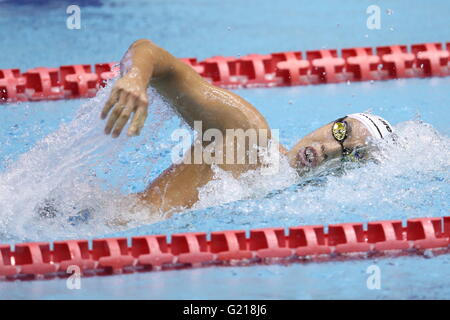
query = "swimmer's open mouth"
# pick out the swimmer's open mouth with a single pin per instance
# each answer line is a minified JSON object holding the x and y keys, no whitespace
{"x":308,"y":157}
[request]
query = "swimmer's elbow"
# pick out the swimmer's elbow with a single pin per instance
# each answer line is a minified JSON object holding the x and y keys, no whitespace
{"x":142,"y":42}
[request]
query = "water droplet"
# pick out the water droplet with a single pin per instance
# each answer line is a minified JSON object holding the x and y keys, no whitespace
{"x":348,"y":82}
{"x":428,"y":254}
{"x":389,"y":12}
{"x":366,"y":36}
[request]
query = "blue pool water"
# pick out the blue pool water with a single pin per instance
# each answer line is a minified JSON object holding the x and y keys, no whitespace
{"x":58,"y":148}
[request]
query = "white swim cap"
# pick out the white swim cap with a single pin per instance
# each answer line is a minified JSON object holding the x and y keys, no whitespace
{"x":377,"y":126}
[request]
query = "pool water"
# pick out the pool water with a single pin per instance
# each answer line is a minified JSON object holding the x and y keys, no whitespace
{"x":57,"y":149}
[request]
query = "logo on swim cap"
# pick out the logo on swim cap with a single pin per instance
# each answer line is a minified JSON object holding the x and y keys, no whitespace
{"x":377,"y":126}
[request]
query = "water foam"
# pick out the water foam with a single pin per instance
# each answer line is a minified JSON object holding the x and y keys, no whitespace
{"x":78,"y":167}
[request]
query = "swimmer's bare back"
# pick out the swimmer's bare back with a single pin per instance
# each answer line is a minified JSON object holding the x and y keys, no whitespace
{"x":194,"y":99}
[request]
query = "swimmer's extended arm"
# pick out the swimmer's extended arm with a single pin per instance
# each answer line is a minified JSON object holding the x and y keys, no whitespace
{"x":194,"y":98}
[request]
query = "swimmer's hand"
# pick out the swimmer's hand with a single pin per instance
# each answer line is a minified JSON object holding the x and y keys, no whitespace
{"x":128,"y":96}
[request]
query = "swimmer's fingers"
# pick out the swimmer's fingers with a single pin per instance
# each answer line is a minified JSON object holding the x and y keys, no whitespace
{"x":140,"y":115}
{"x":113,"y":97}
{"x":124,"y":116}
{"x":138,"y":121}
{"x":116,"y":113}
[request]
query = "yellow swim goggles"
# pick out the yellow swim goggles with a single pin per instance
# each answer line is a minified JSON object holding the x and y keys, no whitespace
{"x":339,"y":130}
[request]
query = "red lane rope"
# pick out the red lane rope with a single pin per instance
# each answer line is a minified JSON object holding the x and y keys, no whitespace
{"x":154,"y":252}
{"x":255,"y":70}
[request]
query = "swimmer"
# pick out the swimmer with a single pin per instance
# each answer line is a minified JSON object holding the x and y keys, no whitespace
{"x":195,"y":99}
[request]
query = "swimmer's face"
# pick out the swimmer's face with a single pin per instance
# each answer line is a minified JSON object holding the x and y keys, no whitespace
{"x":320,"y":145}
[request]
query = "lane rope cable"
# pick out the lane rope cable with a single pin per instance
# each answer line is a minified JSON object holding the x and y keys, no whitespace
{"x":42,"y":260}
{"x":255,"y":70}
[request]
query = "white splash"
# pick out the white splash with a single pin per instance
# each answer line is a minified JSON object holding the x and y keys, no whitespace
{"x":78,"y":167}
